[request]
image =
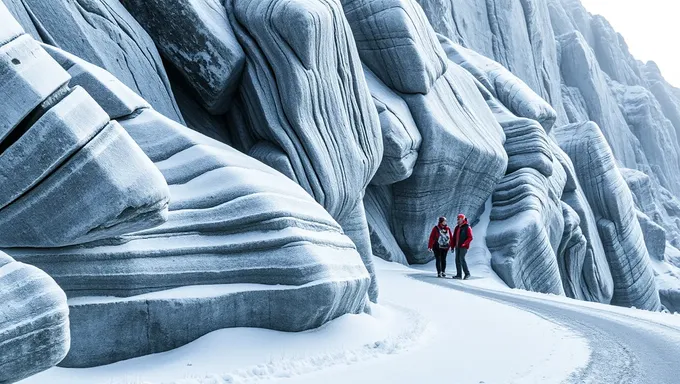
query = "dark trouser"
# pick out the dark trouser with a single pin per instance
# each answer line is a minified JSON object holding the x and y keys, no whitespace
{"x":440,"y":256}
{"x":460,"y":260}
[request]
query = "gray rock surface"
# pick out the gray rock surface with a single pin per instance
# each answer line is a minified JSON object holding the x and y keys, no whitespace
{"x":378,"y":203}
{"x":55,"y":140}
{"x":515,"y":33}
{"x":232,"y":221}
{"x":196,"y":37}
{"x":612,"y":204}
{"x":396,"y":42}
{"x":597,"y":283}
{"x":34,"y":324}
{"x":303,"y":90}
{"x":655,"y":236}
{"x":401,"y":138}
{"x":103,"y":33}
{"x":459,"y":164}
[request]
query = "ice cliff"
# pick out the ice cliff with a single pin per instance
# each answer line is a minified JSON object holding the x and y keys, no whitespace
{"x":269,"y":149}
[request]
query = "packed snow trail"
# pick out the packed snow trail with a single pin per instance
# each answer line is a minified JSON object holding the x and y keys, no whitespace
{"x":624,"y":349}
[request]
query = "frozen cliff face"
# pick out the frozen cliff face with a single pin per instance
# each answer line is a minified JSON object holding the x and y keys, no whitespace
{"x":103,"y":33}
{"x":461,"y":156}
{"x":614,"y":210}
{"x":303,"y":92}
{"x":233,"y":221}
{"x":196,"y":37}
{"x":515,"y":33}
{"x":54,"y":140}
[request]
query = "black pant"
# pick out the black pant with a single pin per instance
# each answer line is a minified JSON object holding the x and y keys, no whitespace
{"x":440,"y":255}
{"x":460,"y":260}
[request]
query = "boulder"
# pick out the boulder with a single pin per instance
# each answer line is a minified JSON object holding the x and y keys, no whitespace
{"x":197,"y":39}
{"x":401,"y":138}
{"x":304,"y":90}
{"x":655,"y":236}
{"x":614,"y":210}
{"x":396,"y":42}
{"x":34,"y":323}
{"x":103,"y":33}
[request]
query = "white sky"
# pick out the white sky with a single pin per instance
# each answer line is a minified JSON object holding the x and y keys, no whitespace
{"x":651,"y":29}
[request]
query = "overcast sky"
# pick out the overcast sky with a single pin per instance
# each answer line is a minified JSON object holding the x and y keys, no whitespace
{"x":651,"y":29}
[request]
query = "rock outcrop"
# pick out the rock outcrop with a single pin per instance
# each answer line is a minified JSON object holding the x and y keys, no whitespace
{"x":233,"y":223}
{"x":196,"y":37}
{"x":614,"y":210}
{"x":303,"y":92}
{"x":34,"y":325}
{"x":105,"y":34}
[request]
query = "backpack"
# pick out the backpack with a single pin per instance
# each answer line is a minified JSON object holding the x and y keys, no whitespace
{"x":444,"y":238}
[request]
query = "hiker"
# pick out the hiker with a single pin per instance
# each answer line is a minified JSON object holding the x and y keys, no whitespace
{"x":462,"y":237}
{"x":440,"y":243}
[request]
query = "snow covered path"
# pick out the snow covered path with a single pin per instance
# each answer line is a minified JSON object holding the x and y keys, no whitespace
{"x":624,"y":348}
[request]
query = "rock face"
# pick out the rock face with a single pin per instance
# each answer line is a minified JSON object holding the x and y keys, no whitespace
{"x":614,"y":210}
{"x":195,"y":36}
{"x":55,"y":140}
{"x":34,"y":325}
{"x":232,"y":221}
{"x":303,"y":92}
{"x":103,"y":33}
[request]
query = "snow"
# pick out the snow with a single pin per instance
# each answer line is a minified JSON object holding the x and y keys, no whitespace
{"x":415,"y":335}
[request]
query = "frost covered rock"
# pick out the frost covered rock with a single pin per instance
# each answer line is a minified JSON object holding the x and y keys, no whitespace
{"x":243,"y":246}
{"x":515,"y":33}
{"x":103,"y":33}
{"x":34,"y":326}
{"x":195,"y":36}
{"x":378,"y":203}
{"x":581,"y":71}
{"x":505,"y":86}
{"x":401,"y":138}
{"x":597,"y":284}
{"x":55,"y":140}
{"x":571,"y":254}
{"x":304,"y":92}
{"x":614,"y":210}
{"x":396,"y":42}
{"x":655,"y":236}
{"x":460,"y":161}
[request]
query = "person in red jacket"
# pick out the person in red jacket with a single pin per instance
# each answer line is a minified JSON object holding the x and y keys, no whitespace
{"x":440,"y":242}
{"x":462,"y":237}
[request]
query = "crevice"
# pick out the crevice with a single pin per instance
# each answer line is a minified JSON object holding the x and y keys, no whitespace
{"x":33,"y":117}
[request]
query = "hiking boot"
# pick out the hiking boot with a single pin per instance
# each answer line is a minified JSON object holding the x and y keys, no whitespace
{"x":457,"y":277}
{"x":443,"y":274}
{"x":466,"y":277}
{"x":439,"y":274}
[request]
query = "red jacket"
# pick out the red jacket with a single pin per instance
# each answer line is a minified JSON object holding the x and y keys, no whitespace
{"x":434,"y":236}
{"x":464,"y":238}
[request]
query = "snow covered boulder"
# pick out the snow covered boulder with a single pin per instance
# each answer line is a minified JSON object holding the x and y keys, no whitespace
{"x":195,"y":36}
{"x":55,"y":140}
{"x":396,"y":41}
{"x":105,"y":34}
{"x":34,"y":326}
{"x":461,"y":159}
{"x":243,"y":246}
{"x":401,"y":138}
{"x":612,"y":204}
{"x":303,"y":91}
